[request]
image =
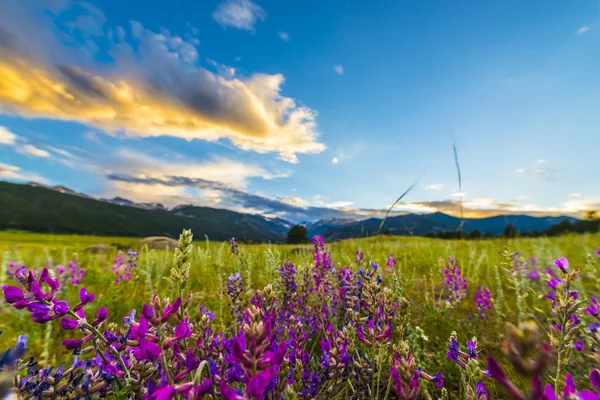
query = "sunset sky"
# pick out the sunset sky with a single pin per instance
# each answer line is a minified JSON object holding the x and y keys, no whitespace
{"x":306,"y":109}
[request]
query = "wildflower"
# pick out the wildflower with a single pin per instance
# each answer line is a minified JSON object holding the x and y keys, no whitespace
{"x":13,"y":294}
{"x":593,"y":308}
{"x":570,"y":391}
{"x":455,"y":284}
{"x":71,"y":344}
{"x":85,"y":297}
{"x":483,"y":302}
{"x":391,"y":263}
{"x":595,"y":379}
{"x":130,"y":319}
{"x":578,"y":345}
{"x":170,"y":310}
{"x":562,"y":264}
{"x":481,"y":393}
{"x":12,"y":355}
{"x":534,"y":275}
{"x":233,"y":244}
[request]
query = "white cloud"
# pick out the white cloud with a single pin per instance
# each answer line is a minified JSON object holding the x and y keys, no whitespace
{"x":33,"y":151}
{"x":14,"y":173}
{"x":583,"y":29}
{"x":575,"y":194}
{"x":240,"y":14}
{"x":435,"y":186}
{"x":458,"y":194}
{"x":7,"y":137}
{"x":521,"y":170}
{"x":335,"y":160}
{"x":339,"y":204}
{"x":283,"y":36}
{"x":338,"y":69}
{"x":540,"y":161}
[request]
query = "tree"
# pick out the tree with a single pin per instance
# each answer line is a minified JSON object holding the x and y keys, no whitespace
{"x":510,"y":231}
{"x":475,"y":234}
{"x":297,"y":235}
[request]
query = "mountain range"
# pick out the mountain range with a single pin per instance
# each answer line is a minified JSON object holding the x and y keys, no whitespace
{"x":58,"y":209}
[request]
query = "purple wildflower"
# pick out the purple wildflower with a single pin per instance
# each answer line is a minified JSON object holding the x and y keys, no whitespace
{"x":562,"y":264}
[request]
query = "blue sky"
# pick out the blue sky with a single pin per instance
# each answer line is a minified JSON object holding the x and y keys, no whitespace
{"x":306,"y":109}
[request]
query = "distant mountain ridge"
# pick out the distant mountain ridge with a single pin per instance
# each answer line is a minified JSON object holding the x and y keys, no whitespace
{"x":422,"y":224}
{"x":58,"y":209}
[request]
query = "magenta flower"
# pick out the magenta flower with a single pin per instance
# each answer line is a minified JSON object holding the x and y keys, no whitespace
{"x":570,"y":391}
{"x":182,"y":331}
{"x":147,"y":351}
{"x":562,"y":264}
{"x":258,"y":383}
{"x":481,"y":392}
{"x":595,"y":379}
{"x":170,"y":310}
{"x":85,"y":297}
{"x":13,"y":294}
{"x":69,"y":324}
{"x":100,"y":317}
{"x":72,"y":344}
{"x":534,"y":275}
{"x":593,"y":308}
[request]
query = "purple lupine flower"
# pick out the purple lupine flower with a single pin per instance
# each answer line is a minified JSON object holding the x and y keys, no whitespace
{"x":570,"y":391}
{"x":72,"y":344}
{"x":595,"y":379}
{"x":13,"y":294}
{"x":562,"y":264}
{"x":69,"y":324}
{"x":455,"y":284}
{"x":593,"y":308}
{"x":578,"y":345}
{"x":233,"y":244}
{"x":598,"y":252}
{"x":85,"y":297}
{"x":533,"y":275}
{"x":483,"y":302}
{"x":100,"y":317}
{"x":130,"y":319}
{"x":481,"y":393}
{"x":170,"y":310}
{"x":391,"y":263}
{"x":10,"y":357}
{"x":147,"y":351}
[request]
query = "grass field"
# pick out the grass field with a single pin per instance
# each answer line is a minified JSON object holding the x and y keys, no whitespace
{"x":420,"y":261}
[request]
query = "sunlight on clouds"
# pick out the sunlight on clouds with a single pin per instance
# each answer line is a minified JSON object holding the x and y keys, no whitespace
{"x":33,"y":151}
{"x":154,"y":87}
{"x":13,"y":173}
{"x":335,"y":160}
{"x":7,"y":137}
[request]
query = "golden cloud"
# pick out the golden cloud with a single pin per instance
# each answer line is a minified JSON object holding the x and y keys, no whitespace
{"x":263,"y":120}
{"x":152,"y":86}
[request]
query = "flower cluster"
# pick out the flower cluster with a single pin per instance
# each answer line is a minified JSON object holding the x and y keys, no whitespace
{"x":455,"y":285}
{"x":122,"y":267}
{"x":483,"y":301}
{"x":326,"y":333}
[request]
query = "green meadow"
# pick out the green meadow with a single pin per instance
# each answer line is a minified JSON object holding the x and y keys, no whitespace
{"x":420,"y":262}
